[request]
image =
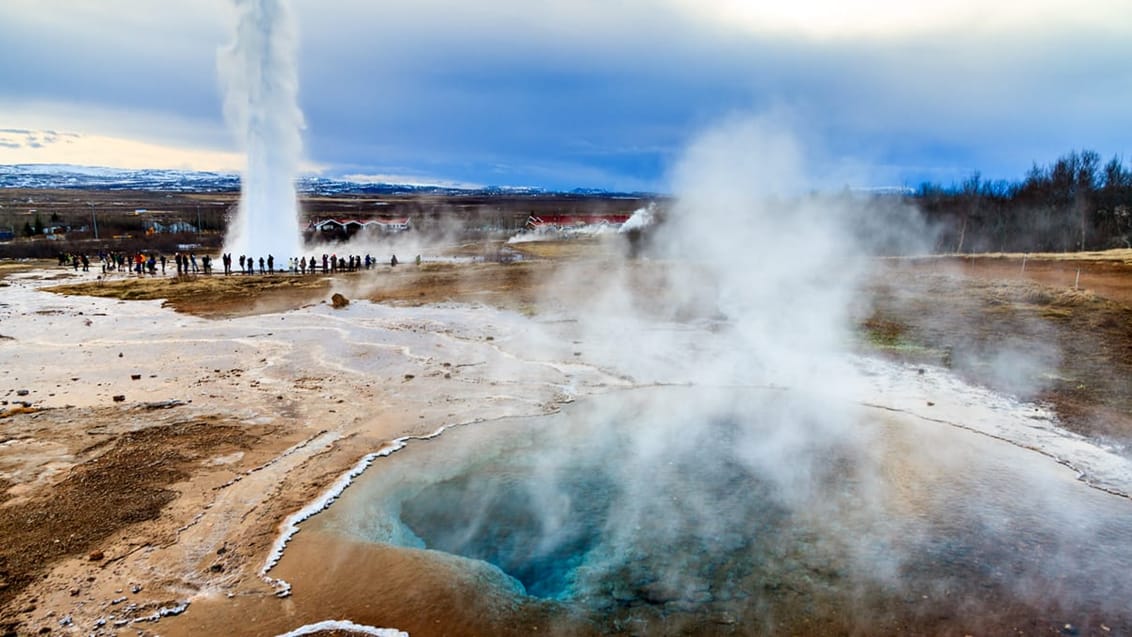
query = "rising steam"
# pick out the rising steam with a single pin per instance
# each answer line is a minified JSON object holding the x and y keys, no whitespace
{"x":743,"y":464}
{"x":258,"y":73}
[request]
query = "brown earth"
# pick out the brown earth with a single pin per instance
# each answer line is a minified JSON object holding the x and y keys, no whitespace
{"x":980,"y":316}
{"x":1030,"y":333}
{"x":118,"y":481}
{"x":1027,"y":332}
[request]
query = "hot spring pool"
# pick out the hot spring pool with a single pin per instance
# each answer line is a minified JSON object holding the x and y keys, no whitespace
{"x":692,"y":511}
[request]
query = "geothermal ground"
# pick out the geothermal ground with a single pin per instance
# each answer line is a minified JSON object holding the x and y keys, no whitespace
{"x":159,"y":435}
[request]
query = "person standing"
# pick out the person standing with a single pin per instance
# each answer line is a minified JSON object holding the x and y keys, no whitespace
{"x":162,"y":265}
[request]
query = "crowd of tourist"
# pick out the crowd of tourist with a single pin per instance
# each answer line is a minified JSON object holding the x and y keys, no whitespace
{"x":154,"y":263}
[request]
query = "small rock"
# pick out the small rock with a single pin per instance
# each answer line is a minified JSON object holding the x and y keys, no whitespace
{"x":338,"y":301}
{"x":135,"y":376}
{"x":22,"y":392}
{"x":216,"y":568}
{"x":96,"y":556}
{"x":120,"y":398}
{"x":409,"y":377}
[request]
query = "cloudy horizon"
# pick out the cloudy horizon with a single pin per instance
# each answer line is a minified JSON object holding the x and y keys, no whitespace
{"x":582,"y":94}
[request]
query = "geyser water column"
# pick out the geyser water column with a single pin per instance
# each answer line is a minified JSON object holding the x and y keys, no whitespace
{"x":260,"y":81}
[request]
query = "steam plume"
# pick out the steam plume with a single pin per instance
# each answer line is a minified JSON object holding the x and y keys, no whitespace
{"x":261,"y":88}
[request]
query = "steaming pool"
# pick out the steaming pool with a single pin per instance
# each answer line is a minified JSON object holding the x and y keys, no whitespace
{"x":682,"y":510}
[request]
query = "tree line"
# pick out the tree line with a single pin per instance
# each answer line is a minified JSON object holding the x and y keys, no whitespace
{"x":1075,"y":203}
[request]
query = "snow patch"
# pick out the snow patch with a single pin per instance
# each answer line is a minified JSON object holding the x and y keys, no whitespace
{"x":319,"y":504}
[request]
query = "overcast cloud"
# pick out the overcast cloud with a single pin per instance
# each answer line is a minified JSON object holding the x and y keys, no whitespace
{"x":578,"y":93}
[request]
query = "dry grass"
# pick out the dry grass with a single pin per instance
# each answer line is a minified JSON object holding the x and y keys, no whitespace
{"x":211,"y":296}
{"x":1121,"y":255}
{"x":8,"y":268}
{"x":1078,"y":343}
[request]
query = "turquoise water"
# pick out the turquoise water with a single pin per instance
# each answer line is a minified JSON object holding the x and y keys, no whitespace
{"x":768,"y":511}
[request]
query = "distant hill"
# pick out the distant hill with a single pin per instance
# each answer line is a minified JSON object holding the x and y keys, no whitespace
{"x":66,"y":176}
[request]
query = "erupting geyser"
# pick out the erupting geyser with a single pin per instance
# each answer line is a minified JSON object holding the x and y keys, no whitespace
{"x":261,"y":89}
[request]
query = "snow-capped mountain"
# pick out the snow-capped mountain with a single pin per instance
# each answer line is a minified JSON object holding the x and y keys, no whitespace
{"x":97,"y":178}
{"x":67,"y":176}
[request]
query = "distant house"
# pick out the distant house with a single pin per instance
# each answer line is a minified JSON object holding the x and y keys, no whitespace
{"x":335,"y":228}
{"x":180,"y":226}
{"x":156,"y":227}
{"x":346,"y":228}
{"x":389,"y":225}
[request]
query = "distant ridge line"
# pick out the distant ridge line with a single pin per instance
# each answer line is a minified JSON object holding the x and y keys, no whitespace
{"x":76,"y":177}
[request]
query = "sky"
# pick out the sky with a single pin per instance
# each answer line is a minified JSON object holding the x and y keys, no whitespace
{"x":570,"y":94}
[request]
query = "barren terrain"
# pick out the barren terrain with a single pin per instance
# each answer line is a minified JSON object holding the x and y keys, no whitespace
{"x":243,"y":397}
